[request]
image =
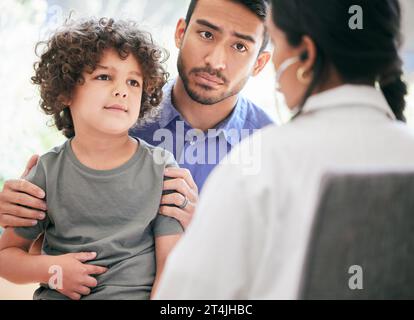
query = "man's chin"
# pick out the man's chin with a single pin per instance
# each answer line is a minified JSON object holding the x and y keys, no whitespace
{"x":202,"y":97}
{"x":204,"y":88}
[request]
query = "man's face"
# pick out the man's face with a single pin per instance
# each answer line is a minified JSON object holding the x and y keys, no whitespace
{"x":218,"y":50}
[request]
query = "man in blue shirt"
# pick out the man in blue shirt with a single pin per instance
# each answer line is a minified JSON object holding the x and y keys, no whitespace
{"x":221,"y":45}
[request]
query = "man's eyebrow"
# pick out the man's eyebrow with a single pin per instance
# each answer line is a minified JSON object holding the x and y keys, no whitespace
{"x":236,"y":34}
{"x":244,"y":37}
{"x":209,"y":24}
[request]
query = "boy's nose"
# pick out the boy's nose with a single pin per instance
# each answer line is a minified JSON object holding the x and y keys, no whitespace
{"x":117,"y":93}
{"x":120,"y":91}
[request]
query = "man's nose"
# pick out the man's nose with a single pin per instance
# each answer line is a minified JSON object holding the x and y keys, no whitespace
{"x":216,"y":58}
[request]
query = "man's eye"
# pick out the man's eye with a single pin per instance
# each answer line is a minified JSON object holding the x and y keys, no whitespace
{"x":103,"y":77}
{"x":240,"y":47}
{"x":206,"y":35}
{"x":133,"y":83}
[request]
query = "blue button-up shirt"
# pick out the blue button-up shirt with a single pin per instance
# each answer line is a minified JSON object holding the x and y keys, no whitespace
{"x":194,"y":149}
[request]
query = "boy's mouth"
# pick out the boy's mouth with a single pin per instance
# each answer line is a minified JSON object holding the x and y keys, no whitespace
{"x":116,"y":107}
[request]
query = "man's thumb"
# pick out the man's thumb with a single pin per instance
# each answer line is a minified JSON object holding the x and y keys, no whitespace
{"x":32,"y":162}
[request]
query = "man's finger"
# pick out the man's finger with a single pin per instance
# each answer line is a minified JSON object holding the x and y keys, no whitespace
{"x":182,"y":173}
{"x":173,"y":198}
{"x":12,"y":221}
{"x":24,"y":199}
{"x":22,"y":185}
{"x":177,"y":199}
{"x":183,"y":217}
{"x":181,"y":186}
{"x":23,"y":212}
{"x":172,"y":212}
{"x":32,"y":162}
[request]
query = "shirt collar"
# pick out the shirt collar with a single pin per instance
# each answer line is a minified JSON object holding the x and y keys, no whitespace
{"x":168,"y":111}
{"x":234,"y":121}
{"x":349,"y":95}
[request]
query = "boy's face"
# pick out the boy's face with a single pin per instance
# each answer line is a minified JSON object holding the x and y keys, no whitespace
{"x":219,"y":50}
{"x":109,"y":100}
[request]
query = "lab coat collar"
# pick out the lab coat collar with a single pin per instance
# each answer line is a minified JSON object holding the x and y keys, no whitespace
{"x":349,"y":95}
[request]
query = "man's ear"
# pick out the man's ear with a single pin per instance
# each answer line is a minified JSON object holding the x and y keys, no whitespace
{"x":261,"y":62}
{"x":180,"y":32}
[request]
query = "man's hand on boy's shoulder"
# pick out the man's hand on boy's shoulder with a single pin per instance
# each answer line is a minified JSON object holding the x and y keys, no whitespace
{"x":21,"y":203}
{"x":180,"y":195}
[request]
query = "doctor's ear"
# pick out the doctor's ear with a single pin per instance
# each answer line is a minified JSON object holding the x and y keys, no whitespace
{"x":304,"y":56}
{"x":308,"y":53}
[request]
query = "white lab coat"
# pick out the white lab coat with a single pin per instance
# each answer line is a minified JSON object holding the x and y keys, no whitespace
{"x":249,"y":234}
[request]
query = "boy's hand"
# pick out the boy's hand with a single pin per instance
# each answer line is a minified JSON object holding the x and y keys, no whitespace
{"x":76,"y":275}
{"x":20,"y":201}
{"x":186,"y":193}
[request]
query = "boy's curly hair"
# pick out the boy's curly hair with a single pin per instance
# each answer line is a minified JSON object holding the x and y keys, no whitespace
{"x":78,"y":47}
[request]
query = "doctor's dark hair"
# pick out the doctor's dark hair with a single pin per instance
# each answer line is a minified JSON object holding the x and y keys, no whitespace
{"x":361,"y":56}
{"x":258,"y":7}
{"x":77,"y":47}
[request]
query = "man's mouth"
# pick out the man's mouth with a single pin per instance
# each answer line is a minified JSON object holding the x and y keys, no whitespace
{"x":207,"y":79}
{"x":116,"y":107}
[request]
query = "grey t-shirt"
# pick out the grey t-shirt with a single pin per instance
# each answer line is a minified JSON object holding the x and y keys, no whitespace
{"x":113,"y":213}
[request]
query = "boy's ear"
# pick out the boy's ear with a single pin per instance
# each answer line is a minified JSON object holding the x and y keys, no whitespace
{"x":261,"y":62}
{"x":63,"y":99}
{"x":180,"y":32}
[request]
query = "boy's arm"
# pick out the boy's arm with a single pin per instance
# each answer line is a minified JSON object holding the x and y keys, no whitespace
{"x":163,"y":247}
{"x":16,"y":264}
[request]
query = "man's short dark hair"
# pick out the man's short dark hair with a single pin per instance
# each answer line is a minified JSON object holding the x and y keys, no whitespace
{"x":258,"y":7}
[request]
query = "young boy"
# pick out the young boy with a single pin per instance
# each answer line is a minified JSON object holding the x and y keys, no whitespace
{"x":104,"y":238}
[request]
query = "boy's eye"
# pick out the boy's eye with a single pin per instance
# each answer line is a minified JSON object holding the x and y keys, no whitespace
{"x":240,"y":47}
{"x":206,"y":35}
{"x":103,"y":77}
{"x":133,"y":83}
